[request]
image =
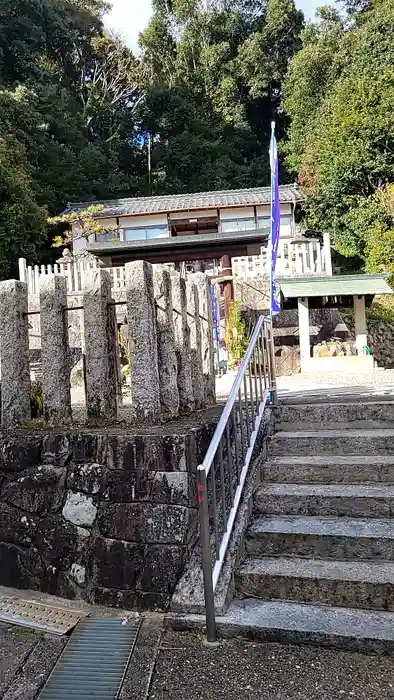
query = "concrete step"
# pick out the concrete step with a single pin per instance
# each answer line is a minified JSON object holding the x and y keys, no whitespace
{"x":327,"y":469}
{"x":324,"y":394}
{"x":351,"y":500}
{"x":355,"y":584}
{"x":333,"y":442}
{"x":321,"y":538}
{"x":311,"y":416}
{"x":296,"y":623}
{"x":334,"y":425}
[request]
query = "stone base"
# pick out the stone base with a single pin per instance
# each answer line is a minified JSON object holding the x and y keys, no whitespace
{"x":107,"y":517}
{"x":340,"y":363}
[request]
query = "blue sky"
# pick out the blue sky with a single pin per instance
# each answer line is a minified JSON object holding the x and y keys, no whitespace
{"x":129,"y":17}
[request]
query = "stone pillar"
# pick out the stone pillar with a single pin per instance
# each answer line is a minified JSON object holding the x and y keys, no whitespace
{"x":360,"y":324}
{"x":194,"y":322}
{"x":14,"y":353}
{"x":101,"y":387}
{"x":55,"y":351}
{"x":203,"y":285}
{"x":167,"y":362}
{"x":144,"y":372}
{"x":303,"y":323}
{"x":22,"y":269}
{"x":182,"y":343}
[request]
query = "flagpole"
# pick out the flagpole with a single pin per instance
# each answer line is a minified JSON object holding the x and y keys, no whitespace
{"x":272,"y":214}
{"x":271,"y":242}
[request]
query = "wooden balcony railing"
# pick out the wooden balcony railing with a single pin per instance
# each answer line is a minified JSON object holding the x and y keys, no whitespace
{"x":306,"y":257}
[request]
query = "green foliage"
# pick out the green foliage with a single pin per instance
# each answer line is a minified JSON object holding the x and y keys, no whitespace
{"x":85,"y":222}
{"x":73,"y":99}
{"x":382,"y":309}
{"x":380,"y":240}
{"x":237,"y":339}
{"x":36,"y":400}
{"x":340,"y":96}
{"x":68,"y":97}
{"x":22,"y":220}
{"x":215,"y":82}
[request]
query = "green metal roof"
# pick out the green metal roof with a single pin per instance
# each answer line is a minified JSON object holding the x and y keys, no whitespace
{"x":332,"y":286}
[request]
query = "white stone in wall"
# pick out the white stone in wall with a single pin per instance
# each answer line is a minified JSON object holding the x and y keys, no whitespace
{"x":78,"y":573}
{"x":79,"y":509}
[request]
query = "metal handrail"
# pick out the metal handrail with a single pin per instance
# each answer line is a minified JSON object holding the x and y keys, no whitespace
{"x":235,"y":436}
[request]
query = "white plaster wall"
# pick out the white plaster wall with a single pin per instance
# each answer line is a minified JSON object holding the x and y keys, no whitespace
{"x":265,"y":210}
{"x":142,"y":221}
{"x":236,"y":213}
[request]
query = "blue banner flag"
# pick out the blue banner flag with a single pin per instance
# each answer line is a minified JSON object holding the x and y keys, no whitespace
{"x":275,"y":224}
{"x":141,"y":139}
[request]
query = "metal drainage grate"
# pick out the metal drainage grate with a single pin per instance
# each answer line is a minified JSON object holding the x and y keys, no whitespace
{"x":28,"y":613}
{"x":94,"y":662}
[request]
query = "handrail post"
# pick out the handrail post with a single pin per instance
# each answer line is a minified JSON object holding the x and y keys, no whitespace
{"x":202,"y":487}
{"x":271,"y":361}
{"x":273,"y":367}
{"x":212,"y":561}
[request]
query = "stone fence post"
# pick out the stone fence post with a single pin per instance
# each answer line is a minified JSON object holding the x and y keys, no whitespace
{"x":14,"y":353}
{"x":100,"y":347}
{"x":55,"y":350}
{"x":194,"y":321}
{"x":203,"y":285}
{"x":182,"y":343}
{"x":167,"y":361}
{"x":143,"y":362}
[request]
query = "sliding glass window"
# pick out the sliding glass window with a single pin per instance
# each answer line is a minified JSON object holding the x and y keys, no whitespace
{"x":238,"y":225}
{"x":146,"y":234}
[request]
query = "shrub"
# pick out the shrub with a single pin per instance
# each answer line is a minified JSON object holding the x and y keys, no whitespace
{"x":36,"y":400}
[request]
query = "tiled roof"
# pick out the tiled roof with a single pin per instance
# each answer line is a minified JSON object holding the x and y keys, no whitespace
{"x":336,"y":285}
{"x":188,"y":202}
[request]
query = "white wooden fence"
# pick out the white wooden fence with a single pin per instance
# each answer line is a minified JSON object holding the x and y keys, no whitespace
{"x":307,"y":257}
{"x":74,"y":271}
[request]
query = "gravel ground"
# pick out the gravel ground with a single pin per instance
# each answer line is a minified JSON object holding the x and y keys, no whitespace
{"x":239,"y":670}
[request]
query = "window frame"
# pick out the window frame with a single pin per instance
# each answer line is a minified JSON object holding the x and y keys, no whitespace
{"x":163,"y":227}
{"x":252,"y":220}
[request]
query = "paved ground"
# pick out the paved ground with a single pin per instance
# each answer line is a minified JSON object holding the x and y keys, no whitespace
{"x":239,"y":670}
{"x":26,"y":660}
{"x":328,"y":384}
{"x":177,"y":666}
{"x":331,"y":384}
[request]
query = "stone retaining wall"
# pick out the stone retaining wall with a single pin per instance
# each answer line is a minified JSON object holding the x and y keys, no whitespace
{"x":109,"y":517}
{"x":380,"y":339}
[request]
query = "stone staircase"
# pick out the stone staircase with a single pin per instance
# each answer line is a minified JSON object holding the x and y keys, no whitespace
{"x":319,"y":551}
